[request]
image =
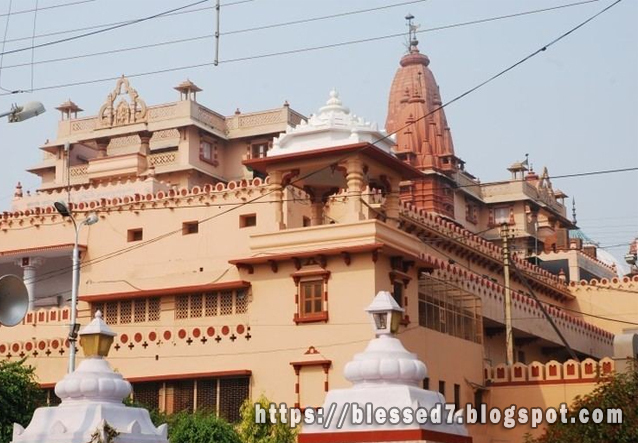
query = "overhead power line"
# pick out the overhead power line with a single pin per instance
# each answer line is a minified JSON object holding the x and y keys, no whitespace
{"x":294,"y":22}
{"x":259,"y":56}
{"x":100,"y":31}
{"x":576,"y":174}
{"x":324,"y":17}
{"x":45,"y":8}
{"x":553,"y":305}
{"x":238,"y":31}
{"x":212,"y":217}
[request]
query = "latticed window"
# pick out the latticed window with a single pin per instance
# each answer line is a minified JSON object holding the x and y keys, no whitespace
{"x":196,"y":305}
{"x":129,"y":311}
{"x":126,"y":307}
{"x":211,"y":304}
{"x":207,"y":395}
{"x":183,"y":395}
{"x":232,"y":393}
{"x":147,"y":394}
{"x":226,"y":303}
{"x":154,"y":309}
{"x":140,"y":310}
{"x":181,"y":306}
{"x":241,"y":301}
{"x":222,"y":396}
{"x":111,"y":314}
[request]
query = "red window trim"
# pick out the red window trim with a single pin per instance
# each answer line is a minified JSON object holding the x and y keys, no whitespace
{"x":301,"y":276}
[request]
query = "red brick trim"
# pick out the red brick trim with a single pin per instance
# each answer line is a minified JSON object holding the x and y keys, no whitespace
{"x":366,"y":149}
{"x":63,"y":246}
{"x":322,"y":316}
{"x":545,"y":382}
{"x":383,"y":435}
{"x":305,"y":254}
{"x":170,"y":377}
{"x":299,"y":364}
{"x":312,"y":273}
{"x":236,"y":284}
{"x":195,"y":376}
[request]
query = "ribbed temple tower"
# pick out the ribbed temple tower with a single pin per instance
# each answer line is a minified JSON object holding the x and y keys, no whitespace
{"x":423,"y":137}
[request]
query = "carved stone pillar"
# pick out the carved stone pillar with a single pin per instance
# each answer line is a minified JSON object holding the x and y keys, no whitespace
{"x":316,"y":212}
{"x":145,"y":142}
{"x":277,"y":196}
{"x":29,"y":265}
{"x":102,"y":145}
{"x":392,"y":208}
{"x":354,"y":179}
{"x":145,"y":150}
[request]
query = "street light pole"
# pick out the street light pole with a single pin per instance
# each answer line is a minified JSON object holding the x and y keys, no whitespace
{"x":64,"y":210}
{"x":24,"y":112}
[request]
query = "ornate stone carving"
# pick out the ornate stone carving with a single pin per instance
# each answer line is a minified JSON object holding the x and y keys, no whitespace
{"x":125,"y":111}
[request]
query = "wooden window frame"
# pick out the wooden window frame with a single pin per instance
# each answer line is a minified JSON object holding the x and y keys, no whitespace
{"x":304,"y":276}
{"x":256,"y":145}
{"x":401,"y":278}
{"x":213,"y":151}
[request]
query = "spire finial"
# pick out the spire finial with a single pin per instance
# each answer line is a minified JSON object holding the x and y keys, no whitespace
{"x":18,"y":191}
{"x":574,"y":210}
{"x":412,"y":29}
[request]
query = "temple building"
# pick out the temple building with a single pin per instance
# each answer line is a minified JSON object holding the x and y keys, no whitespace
{"x":234,"y":255}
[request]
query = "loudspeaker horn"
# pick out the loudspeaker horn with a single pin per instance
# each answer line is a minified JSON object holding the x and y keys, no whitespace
{"x":14,"y":300}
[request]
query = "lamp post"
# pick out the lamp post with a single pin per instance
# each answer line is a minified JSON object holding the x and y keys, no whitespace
{"x":64,"y":211}
{"x":24,"y":112}
{"x":386,"y":314}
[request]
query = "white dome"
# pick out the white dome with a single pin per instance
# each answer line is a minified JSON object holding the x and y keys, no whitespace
{"x":332,"y":126}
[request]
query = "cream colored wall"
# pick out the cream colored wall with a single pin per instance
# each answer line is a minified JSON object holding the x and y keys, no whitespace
{"x":234,"y":154}
{"x":530,"y":396}
{"x":495,"y":350}
{"x":615,"y":300}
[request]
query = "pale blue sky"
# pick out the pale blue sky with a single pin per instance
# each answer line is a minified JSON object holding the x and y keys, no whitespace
{"x":573,"y":108}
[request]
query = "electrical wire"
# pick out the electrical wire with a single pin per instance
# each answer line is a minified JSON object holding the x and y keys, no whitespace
{"x":553,"y":305}
{"x":238,"y":31}
{"x":35,"y":19}
{"x":104,"y":25}
{"x":212,"y":63}
{"x":457,"y":98}
{"x":6,"y":30}
{"x":100,"y":31}
{"x":62,"y":5}
{"x":577,"y":174}
{"x":324,"y":17}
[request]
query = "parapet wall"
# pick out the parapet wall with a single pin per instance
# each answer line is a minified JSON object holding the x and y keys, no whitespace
{"x":233,"y":191}
{"x":552,"y":372}
{"x":605,"y":283}
{"x":467,"y":238}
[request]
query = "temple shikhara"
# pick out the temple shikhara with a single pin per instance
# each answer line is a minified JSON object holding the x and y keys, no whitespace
{"x":234,"y":255}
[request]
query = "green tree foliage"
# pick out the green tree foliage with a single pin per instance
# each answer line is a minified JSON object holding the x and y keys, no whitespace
{"x":618,"y":391}
{"x":20,"y":395}
{"x":200,"y":428}
{"x":251,"y":432}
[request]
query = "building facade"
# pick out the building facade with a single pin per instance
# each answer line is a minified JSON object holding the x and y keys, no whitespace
{"x":234,"y":254}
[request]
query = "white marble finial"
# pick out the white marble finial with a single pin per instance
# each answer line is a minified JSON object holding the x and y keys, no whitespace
{"x":97,"y":326}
